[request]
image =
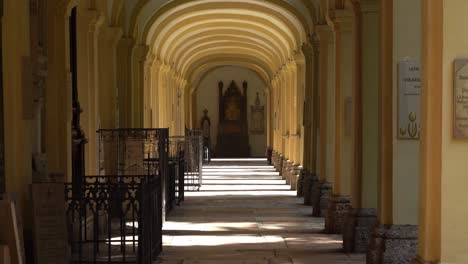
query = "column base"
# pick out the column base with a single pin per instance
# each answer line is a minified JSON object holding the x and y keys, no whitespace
{"x":284,"y":168}
{"x":357,"y":230}
{"x":274,"y":159}
{"x":314,"y":190}
{"x":279,"y":163}
{"x":320,"y":209}
{"x":300,"y":182}
{"x":393,"y":244}
{"x":338,"y":207}
{"x":312,"y":182}
{"x":293,"y":175}
{"x":315,"y":194}
{"x":287,"y":171}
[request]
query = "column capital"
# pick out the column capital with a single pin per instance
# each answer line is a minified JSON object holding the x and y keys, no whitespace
{"x":140,"y":51}
{"x":369,"y":6}
{"x":310,"y":48}
{"x":156,"y":63}
{"x":341,"y":20}
{"x":149,"y":59}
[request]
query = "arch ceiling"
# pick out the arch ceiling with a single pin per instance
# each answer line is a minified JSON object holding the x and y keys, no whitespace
{"x":195,"y":36}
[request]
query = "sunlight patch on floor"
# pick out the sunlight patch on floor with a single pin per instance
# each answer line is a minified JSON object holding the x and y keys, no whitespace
{"x":202,"y":193}
{"x":239,"y":159}
{"x":207,"y":227}
{"x":220,"y":240}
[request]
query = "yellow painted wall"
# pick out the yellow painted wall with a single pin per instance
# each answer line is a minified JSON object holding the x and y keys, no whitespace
{"x":18,"y":137}
{"x":406,"y":45}
{"x":454,"y":152}
{"x":207,"y":97}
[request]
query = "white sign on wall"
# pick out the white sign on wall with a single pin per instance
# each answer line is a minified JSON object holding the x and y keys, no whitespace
{"x":409,"y":94}
{"x":460,"y":92}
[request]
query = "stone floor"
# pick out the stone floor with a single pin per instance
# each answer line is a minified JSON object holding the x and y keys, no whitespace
{"x":245,"y":213}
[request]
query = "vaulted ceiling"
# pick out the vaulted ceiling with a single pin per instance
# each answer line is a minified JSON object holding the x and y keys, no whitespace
{"x":194,"y":36}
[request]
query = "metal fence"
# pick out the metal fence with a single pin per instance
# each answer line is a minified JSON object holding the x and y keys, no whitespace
{"x":117,"y":220}
{"x":137,"y":152}
{"x":176,"y":169}
{"x":117,"y":216}
{"x":193,"y":159}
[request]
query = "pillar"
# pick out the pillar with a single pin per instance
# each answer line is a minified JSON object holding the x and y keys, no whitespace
{"x":147,"y":90}
{"x":88,"y":24}
{"x":321,"y":190}
{"x":434,"y":117}
{"x":394,"y":238}
{"x":363,"y":216}
{"x":155,"y":68}
{"x":107,"y":71}
{"x":339,"y":200}
{"x":58,"y":93}
{"x":17,"y":125}
{"x":139,"y":53}
{"x":124,"y":80}
{"x":311,"y":132}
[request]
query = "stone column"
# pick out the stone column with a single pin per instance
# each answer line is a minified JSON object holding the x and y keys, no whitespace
{"x":384,"y":213}
{"x":58,"y":94}
{"x":363,"y":216}
{"x":107,"y":57}
{"x":340,"y":200}
{"x":323,"y":36}
{"x":155,"y":68}
{"x":88,"y":25}
{"x":432,"y":115}
{"x":124,"y":77}
{"x":147,"y":89}
{"x":139,"y":53}
{"x":390,"y":242}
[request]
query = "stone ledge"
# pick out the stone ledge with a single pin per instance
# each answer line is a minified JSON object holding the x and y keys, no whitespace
{"x":393,"y":244}
{"x":307,"y":190}
{"x":325,"y":189}
{"x":300,"y":182}
{"x":358,"y":229}
{"x":338,"y":207}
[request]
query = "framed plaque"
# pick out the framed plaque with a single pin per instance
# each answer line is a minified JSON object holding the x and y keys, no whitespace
{"x":460,"y":100}
{"x":409,"y":96}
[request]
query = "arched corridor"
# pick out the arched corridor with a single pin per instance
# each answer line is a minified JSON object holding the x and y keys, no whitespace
{"x":245,"y":213}
{"x":110,"y":108}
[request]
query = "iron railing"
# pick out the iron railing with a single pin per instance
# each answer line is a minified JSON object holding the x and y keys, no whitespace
{"x":177,"y":146}
{"x":137,"y":152}
{"x":117,"y":217}
{"x":116,"y":220}
{"x":193,"y":159}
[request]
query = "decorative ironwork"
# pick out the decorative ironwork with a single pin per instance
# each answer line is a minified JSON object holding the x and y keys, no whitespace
{"x":131,"y":151}
{"x":176,"y":183}
{"x":117,"y":216}
{"x":116,"y":220}
{"x":193,"y":159}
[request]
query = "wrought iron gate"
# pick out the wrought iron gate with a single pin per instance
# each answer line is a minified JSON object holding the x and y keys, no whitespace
{"x":118,"y":215}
